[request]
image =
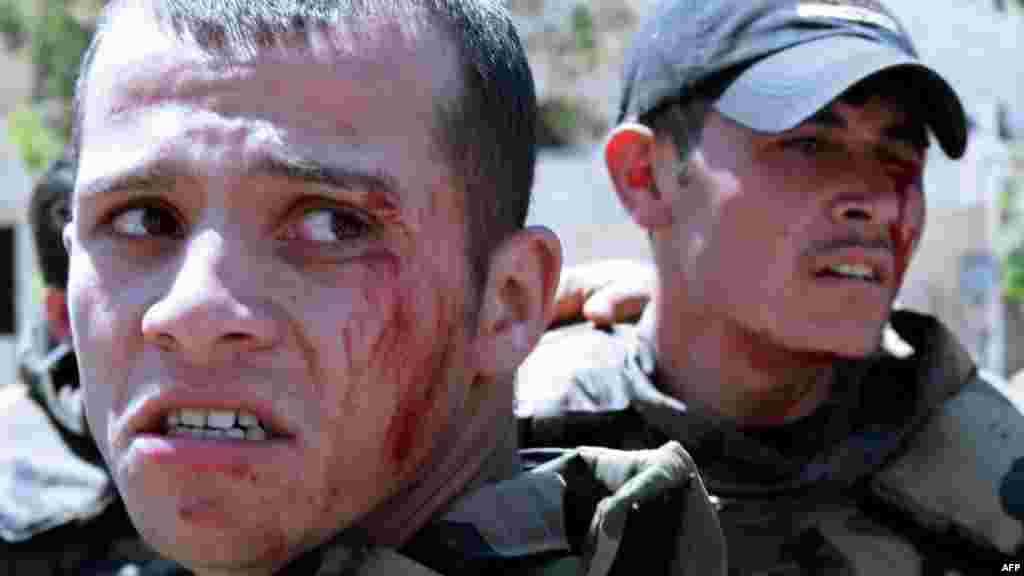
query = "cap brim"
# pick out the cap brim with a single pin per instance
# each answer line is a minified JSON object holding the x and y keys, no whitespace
{"x":784,"y":89}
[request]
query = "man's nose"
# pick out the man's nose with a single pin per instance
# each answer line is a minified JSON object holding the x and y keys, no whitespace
{"x":874,"y":200}
{"x":211,"y":309}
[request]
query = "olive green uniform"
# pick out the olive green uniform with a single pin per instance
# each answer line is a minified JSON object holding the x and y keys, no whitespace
{"x":914,"y":466}
{"x":588,"y":511}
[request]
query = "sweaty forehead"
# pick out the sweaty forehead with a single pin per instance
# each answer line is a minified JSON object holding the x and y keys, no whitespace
{"x":369,"y":104}
{"x":168,"y":59}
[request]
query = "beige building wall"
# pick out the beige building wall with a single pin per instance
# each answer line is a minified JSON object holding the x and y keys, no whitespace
{"x":573,"y":196}
{"x":962,"y":224}
{"x":933,"y":282}
{"x":16,"y":86}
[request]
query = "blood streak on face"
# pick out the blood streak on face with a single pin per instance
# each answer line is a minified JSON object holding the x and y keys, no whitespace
{"x":346,"y":337}
{"x":419,"y":400}
{"x":382,"y":207}
{"x":407,"y":421}
{"x":901,"y":232}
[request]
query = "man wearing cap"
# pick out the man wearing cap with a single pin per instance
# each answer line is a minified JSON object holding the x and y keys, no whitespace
{"x":773,"y":150}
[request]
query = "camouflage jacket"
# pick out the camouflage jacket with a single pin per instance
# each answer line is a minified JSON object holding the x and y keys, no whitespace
{"x":589,"y":511}
{"x":59,"y":511}
{"x":914,"y":466}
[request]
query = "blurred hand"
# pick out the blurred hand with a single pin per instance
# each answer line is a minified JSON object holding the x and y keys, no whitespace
{"x":1017,"y":382}
{"x":604,"y":292}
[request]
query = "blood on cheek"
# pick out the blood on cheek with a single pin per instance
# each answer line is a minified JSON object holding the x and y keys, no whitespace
{"x":905,"y":229}
{"x":414,"y":408}
{"x":416,"y":367}
{"x":396,"y":344}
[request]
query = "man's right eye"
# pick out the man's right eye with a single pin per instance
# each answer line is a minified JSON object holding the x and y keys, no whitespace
{"x":145,"y":221}
{"x":807,"y":145}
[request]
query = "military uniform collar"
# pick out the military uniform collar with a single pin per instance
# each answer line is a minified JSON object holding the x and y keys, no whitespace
{"x":565,"y":515}
{"x":918,"y":355}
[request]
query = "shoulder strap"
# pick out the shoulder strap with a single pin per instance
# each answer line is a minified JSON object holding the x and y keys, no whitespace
{"x":962,"y":476}
{"x":652,"y":511}
{"x":593,"y":511}
{"x":942,"y":547}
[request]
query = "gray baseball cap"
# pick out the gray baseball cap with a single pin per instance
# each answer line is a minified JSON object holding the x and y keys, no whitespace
{"x":790,"y":59}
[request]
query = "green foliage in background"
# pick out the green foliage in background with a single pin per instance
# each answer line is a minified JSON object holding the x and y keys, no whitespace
{"x":39,"y":145}
{"x":1011,"y":236}
{"x":583,"y":28}
{"x":52,"y":35}
{"x":12,"y":24}
{"x":584,"y":34}
{"x":57,"y":42}
{"x":560,"y":117}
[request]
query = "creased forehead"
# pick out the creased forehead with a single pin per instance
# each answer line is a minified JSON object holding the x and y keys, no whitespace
{"x":242,"y":31}
{"x":167,"y":62}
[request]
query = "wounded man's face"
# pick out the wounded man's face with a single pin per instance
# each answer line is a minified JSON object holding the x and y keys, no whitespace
{"x":268,"y":286}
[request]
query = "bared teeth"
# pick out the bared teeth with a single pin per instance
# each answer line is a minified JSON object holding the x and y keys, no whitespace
{"x":222,"y":419}
{"x":858,"y":271}
{"x":228,"y":424}
{"x":247,"y":420}
{"x":216,"y":434}
{"x":196,"y":418}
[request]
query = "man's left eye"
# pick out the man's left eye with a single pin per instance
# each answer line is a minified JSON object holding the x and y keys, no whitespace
{"x":146,"y":221}
{"x":807,"y":145}
{"x":328,"y":225}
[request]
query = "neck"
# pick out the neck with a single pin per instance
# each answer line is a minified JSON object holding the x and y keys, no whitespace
{"x":479,"y":451}
{"x":730,"y":373}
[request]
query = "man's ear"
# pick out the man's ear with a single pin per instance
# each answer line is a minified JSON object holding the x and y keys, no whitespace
{"x":629,"y":154}
{"x":518,"y":299}
{"x":57,"y":319}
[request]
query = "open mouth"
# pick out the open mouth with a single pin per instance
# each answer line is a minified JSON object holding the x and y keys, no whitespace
{"x":860,"y":272}
{"x":216,"y":424}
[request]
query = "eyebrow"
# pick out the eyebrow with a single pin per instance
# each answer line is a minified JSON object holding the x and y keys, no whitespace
{"x":911,"y":133}
{"x":156,"y":176}
{"x":142,"y":179}
{"x":827,"y":117}
{"x":293,"y":167}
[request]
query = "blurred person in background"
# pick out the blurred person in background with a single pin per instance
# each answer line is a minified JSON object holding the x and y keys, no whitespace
{"x":59,"y":511}
{"x":773,"y":150}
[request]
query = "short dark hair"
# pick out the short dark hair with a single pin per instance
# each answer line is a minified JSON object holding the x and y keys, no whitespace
{"x":487,"y":133}
{"x":48,"y":211}
{"x":682,"y":122}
